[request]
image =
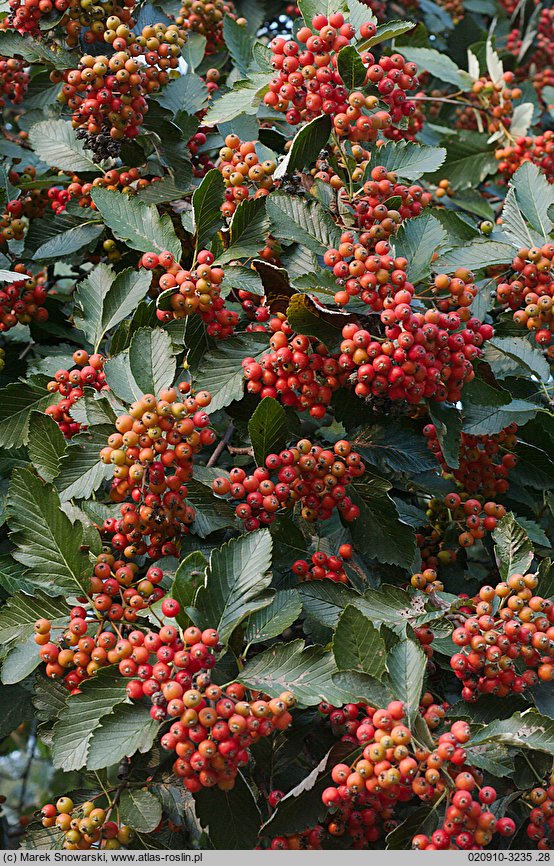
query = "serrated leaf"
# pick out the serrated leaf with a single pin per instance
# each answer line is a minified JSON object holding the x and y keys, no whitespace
{"x":248,"y":230}
{"x":206,"y":205}
{"x":189,"y":576}
{"x":307,"y":223}
{"x":513,"y":223}
{"x":310,"y":8}
{"x":512,"y":548}
{"x":267,"y":429}
{"x":82,"y":472}
{"x":534,"y":196}
{"x":513,"y":356}
{"x":15,"y":708}
{"x":128,"y":729}
{"x":271,"y":621}
{"x":69,"y":242}
{"x":17,"y":401}
{"x":244,"y":98}
{"x":81,"y":716}
{"x":54,"y":142}
{"x":306,"y":318}
{"x":210,"y":512}
{"x":140,"y":225}
{"x":423,"y":820}
{"x":232,"y":818}
{"x":470,"y":158}
{"x":49,"y":697}
{"x":325,"y":600}
{"x":238,"y":42}
{"x":392,"y":606}
{"x":306,"y":671}
{"x":45,"y":539}
{"x":221,"y":371}
{"x":120,"y":378}
{"x":140,"y":810}
{"x":389,"y":30}
{"x":161,"y":191}
{"x":410,"y":160}
{"x":351,"y":68}
{"x":486,"y":420}
{"x":494,"y":64}
{"x":440,"y":66}
{"x":407,"y":663}
{"x":186,"y":93}
{"x":448,"y":427}
{"x":310,"y":139}
{"x":47,"y":445}
{"x":477,"y":254}
{"x":13,"y":44}
{"x":103,"y":299}
{"x":92,"y":410}
{"x":356,"y":686}
{"x":527,"y":730}
{"x":357,"y":644}
{"x":237,"y":579}
{"x":378,"y":532}
{"x":151,"y":360}
{"x":394,"y":449}
{"x":522,"y":117}
{"x":417,"y":240}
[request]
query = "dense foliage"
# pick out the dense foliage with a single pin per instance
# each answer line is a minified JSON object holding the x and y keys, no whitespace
{"x":277,"y":485}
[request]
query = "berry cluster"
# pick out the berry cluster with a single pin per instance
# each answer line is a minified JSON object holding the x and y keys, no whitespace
{"x":128,"y":181}
{"x":108,"y":94}
{"x":117,"y":594}
{"x":427,"y":581}
{"x":151,"y":454}
{"x":316,"y":478}
{"x":308,"y":83}
{"x":454,"y":292}
{"x":324,"y":566}
{"x":22,"y":301}
{"x":299,"y":371}
{"x":494,"y":102}
{"x":13,"y":80}
{"x":472,"y":517}
{"x":366,"y":269}
{"x":243,"y":172}
{"x":85,"y":825}
{"x":530,"y":292}
{"x":70,"y":384}
{"x":212,"y":727}
{"x":424,"y":355}
{"x":540,"y":828}
{"x":394,"y":769}
{"x":372,"y":212}
{"x":80,"y":20}
{"x":194,"y":291}
{"x":483,"y":468}
{"x":537,"y":149}
{"x":495,"y":644}
{"x":206,"y":17}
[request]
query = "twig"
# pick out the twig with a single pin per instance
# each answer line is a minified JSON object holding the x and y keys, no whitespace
{"x":221,"y":445}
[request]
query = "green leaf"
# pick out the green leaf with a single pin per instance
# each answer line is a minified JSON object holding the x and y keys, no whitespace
{"x":206,"y":206}
{"x":13,"y":44}
{"x":356,"y":686}
{"x":440,"y":66}
{"x":527,"y":730}
{"x":120,"y":378}
{"x":306,"y":145}
{"x":237,"y":579}
{"x":392,"y":606}
{"x":188,"y":577}
{"x":49,"y":698}
{"x":47,"y":445}
{"x":394,"y":449}
{"x":211,"y":513}
{"x":310,"y":8}
{"x":232,"y":818}
{"x":388,"y":30}
{"x":187,"y":93}
{"x":378,"y":532}
{"x":470,"y":158}
{"x":17,"y":401}
{"x":82,"y":472}
{"x":482,"y":420}
{"x":140,"y":809}
{"x":407,"y":664}
{"x":129,"y":729}
{"x":244,"y":98}
{"x":271,"y":621}
{"x":351,"y":68}
{"x":54,"y":142}
{"x":512,"y":548}
{"x":103,"y":299}
{"x":325,"y":600}
{"x":513,"y":356}
{"x":45,"y":539}
{"x":82,"y":715}
{"x":418,"y":240}
{"x":546,"y":578}
{"x":423,"y":820}
{"x":140,"y":225}
{"x":238,"y":42}
{"x":15,"y":708}
{"x":534,"y":196}
{"x":69,"y":242}
{"x":268,"y":429}
{"x":410,"y":160}
{"x":357,"y":644}
{"x":448,"y":427}
{"x":306,"y":222}
{"x":477,"y":254}
{"x":221,"y":371}
{"x":20,"y":661}
{"x":514,"y":225}
{"x":248,"y":230}
{"x":92,"y":410}
{"x":306,"y":671}
{"x":151,"y":361}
